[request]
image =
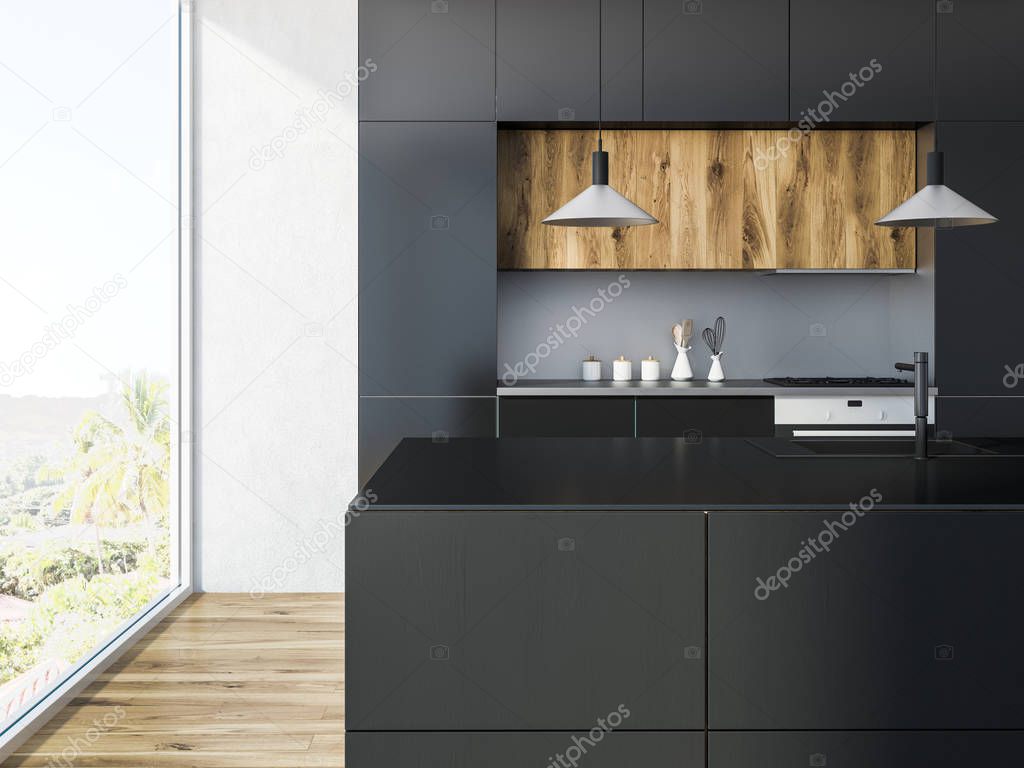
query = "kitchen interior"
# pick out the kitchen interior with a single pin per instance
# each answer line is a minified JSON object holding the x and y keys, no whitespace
{"x":763,"y":150}
{"x":653,"y":293}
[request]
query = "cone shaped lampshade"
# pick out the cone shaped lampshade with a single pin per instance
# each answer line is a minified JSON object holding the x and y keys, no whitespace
{"x":936,"y":205}
{"x":599,"y":205}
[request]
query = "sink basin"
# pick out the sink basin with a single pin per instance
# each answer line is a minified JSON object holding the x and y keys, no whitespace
{"x":867,"y":446}
{"x":888,"y":447}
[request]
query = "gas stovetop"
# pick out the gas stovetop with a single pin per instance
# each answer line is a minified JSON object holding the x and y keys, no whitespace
{"x":829,"y":381}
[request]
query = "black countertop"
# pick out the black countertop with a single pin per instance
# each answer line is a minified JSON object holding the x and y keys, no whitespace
{"x":669,"y":473}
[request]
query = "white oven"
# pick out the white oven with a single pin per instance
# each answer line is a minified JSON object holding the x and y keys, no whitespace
{"x":888,"y":415}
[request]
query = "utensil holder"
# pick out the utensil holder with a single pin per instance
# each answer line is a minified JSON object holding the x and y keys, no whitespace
{"x":682,"y":371}
{"x":716,"y":373}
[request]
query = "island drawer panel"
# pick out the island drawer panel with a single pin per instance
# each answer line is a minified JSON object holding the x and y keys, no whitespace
{"x":516,"y":750}
{"x":565,"y":417}
{"x":865,"y":619}
{"x":878,"y":749}
{"x":697,"y":417}
{"x":520,"y":620}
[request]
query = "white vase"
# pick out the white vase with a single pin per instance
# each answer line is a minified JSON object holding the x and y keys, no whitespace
{"x":682,"y":371}
{"x":716,"y":373}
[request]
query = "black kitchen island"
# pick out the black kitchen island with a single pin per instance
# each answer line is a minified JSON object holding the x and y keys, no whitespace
{"x":677,"y":474}
{"x":506,"y":597}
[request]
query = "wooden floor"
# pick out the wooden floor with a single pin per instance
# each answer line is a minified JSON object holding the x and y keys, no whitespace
{"x":226,"y":680}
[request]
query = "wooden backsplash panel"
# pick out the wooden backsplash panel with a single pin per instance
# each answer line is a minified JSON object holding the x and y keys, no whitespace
{"x":718,"y":207}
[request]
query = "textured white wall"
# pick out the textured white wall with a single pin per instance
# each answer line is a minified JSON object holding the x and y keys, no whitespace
{"x":276,"y":291}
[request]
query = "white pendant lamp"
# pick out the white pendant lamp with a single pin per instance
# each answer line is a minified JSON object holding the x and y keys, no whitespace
{"x":936,"y":205}
{"x":599,"y":205}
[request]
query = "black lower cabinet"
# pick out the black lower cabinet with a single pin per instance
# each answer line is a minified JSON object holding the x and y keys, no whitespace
{"x":523,"y":621}
{"x":565,"y":417}
{"x":384,"y":421}
{"x":516,"y":750}
{"x":902,"y":620}
{"x":935,"y":749}
{"x":696,"y":417}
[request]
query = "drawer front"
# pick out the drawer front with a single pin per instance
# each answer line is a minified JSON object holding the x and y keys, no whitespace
{"x":859,"y":409}
{"x":519,"y":621}
{"x":693,"y":418}
{"x":935,"y":749}
{"x":615,"y":749}
{"x":565,"y":417}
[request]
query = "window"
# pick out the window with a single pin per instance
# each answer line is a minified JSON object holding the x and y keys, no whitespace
{"x":94,"y":288}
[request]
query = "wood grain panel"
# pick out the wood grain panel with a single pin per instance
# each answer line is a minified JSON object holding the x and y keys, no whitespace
{"x":751,"y":199}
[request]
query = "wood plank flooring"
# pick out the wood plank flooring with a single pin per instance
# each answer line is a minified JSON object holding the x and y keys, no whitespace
{"x":225,"y":681}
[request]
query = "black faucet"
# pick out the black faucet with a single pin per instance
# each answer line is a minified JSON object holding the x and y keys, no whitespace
{"x":920,"y":370}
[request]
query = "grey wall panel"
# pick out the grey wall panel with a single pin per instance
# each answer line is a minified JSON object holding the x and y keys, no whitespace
{"x":432,"y":59}
{"x":869,"y":321}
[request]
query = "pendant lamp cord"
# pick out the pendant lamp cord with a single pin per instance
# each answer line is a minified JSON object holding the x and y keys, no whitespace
{"x":935,"y":81}
{"x":600,"y":73}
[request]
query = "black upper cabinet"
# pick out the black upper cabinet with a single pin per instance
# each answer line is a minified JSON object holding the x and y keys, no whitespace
{"x":979,"y":275}
{"x":622,"y":60}
{"x":981,"y":60}
{"x":906,"y":621}
{"x":547,"y":60}
{"x":433,"y":59}
{"x":715,"y":59}
{"x":868,"y":60}
{"x":427,"y":258}
{"x":516,"y":621}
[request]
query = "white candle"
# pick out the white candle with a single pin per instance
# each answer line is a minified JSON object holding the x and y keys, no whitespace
{"x":591,"y":369}
{"x":622,"y":369}
{"x":650,"y":369}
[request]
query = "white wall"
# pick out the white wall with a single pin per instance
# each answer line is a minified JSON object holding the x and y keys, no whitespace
{"x":276,"y":292}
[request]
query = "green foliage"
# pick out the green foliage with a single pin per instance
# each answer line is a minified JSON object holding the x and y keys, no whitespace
{"x":26,"y":572}
{"x":20,"y":475}
{"x":72,"y":618}
{"x":119,"y":474}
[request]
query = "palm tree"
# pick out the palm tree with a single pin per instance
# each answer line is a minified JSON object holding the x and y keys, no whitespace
{"x":119,"y":474}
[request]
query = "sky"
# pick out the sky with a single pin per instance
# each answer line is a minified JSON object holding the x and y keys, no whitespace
{"x":88,"y":193}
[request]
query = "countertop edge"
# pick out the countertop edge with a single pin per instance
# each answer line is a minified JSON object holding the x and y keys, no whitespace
{"x":668,"y":388}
